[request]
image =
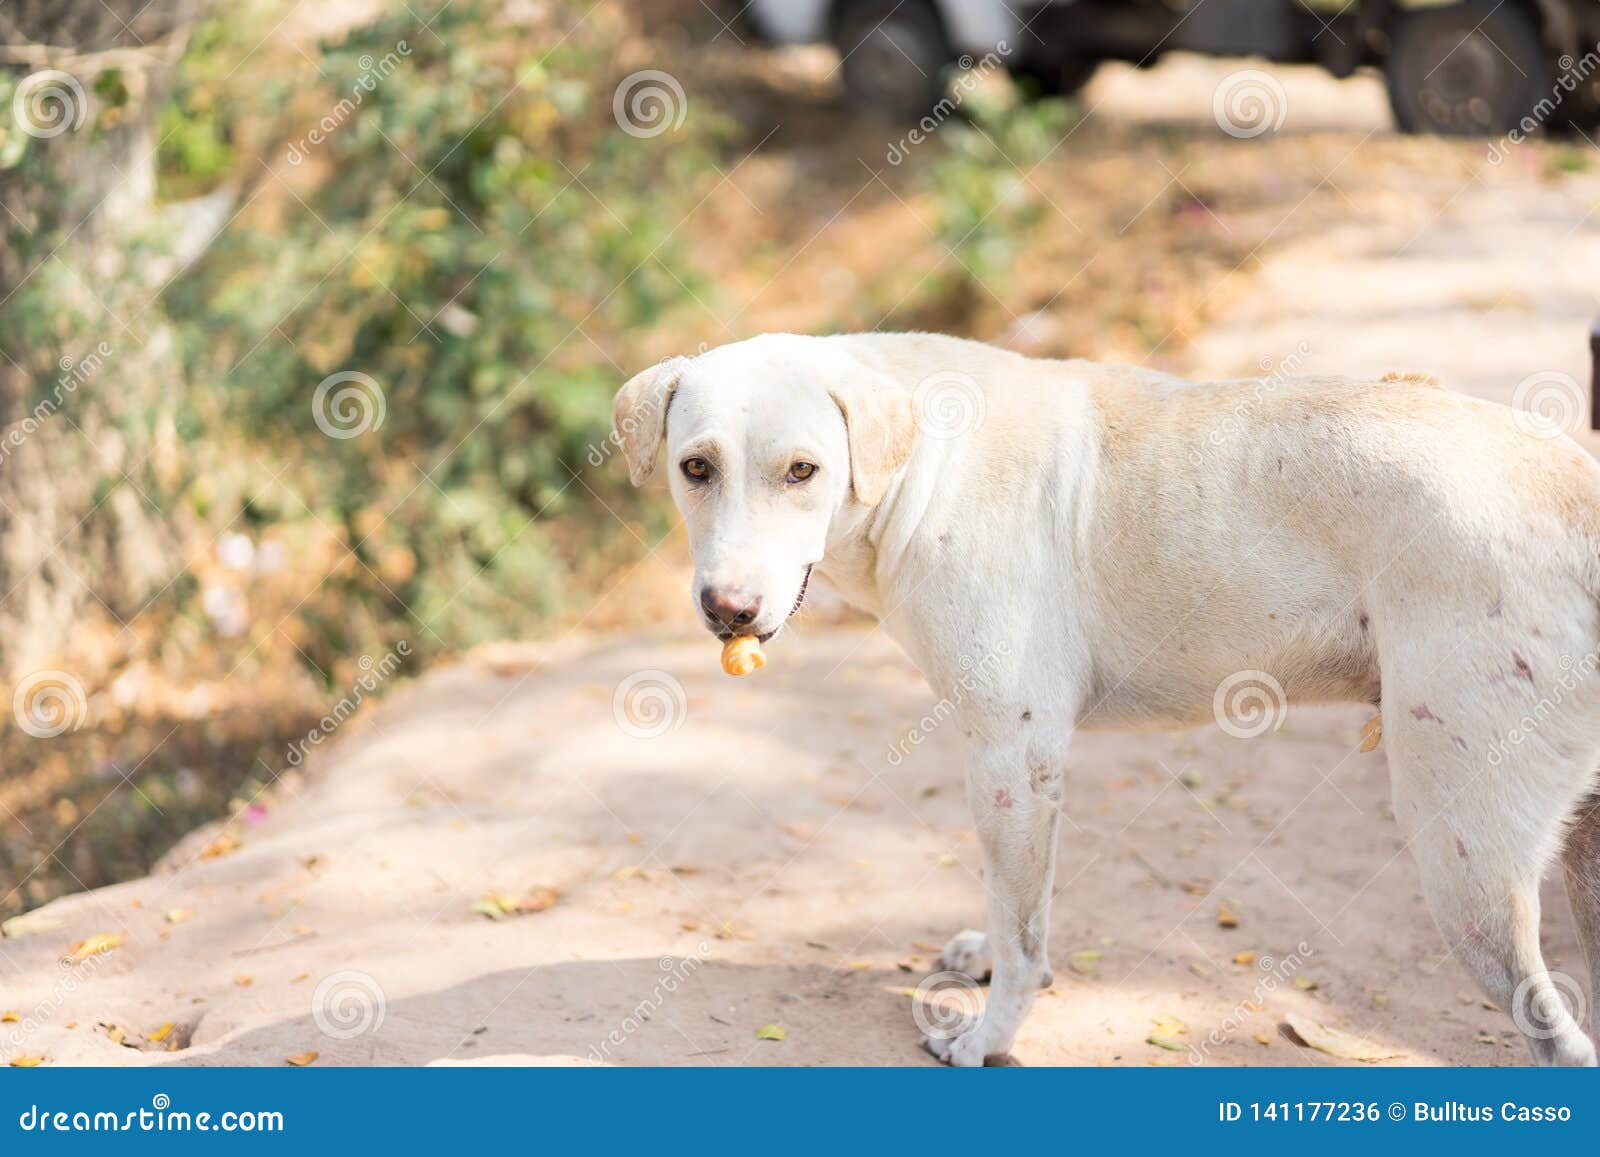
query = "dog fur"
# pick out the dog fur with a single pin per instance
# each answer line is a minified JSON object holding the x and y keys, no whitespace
{"x":1113,"y":545}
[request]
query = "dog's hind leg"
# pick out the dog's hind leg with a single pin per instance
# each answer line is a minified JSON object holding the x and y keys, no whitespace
{"x":1581,"y":859}
{"x":1015,"y":794}
{"x":1482,"y":829}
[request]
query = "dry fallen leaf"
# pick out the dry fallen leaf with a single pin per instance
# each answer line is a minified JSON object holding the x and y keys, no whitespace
{"x":9,"y":1018}
{"x":1304,"y":983}
{"x":1262,"y":1039}
{"x":1372,"y":733}
{"x":538,"y":900}
{"x":26,"y":1062}
{"x":299,"y":1060}
{"x":1338,"y":1044}
{"x":161,"y":1033}
{"x":1244,"y":957}
{"x":244,"y":981}
{"x":772,"y":1032}
{"x":1086,"y":962}
{"x":179,"y":915}
{"x":1165,"y":1033}
{"x":1227,"y":917}
{"x":302,"y":976}
{"x":94,"y":945}
{"x":223,"y":845}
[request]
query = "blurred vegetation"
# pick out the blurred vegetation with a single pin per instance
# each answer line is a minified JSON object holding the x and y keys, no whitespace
{"x":479,"y":239}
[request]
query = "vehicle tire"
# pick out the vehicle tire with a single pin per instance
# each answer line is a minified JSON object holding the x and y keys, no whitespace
{"x":893,"y":55}
{"x":1063,"y":79}
{"x":1472,"y":69}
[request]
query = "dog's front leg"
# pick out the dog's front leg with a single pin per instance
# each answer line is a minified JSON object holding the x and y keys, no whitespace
{"x":1015,"y":795}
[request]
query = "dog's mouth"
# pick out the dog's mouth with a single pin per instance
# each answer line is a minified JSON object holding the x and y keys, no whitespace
{"x":798,"y":599}
{"x":725,"y":633}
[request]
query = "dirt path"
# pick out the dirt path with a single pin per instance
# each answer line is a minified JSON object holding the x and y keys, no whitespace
{"x":771,"y":857}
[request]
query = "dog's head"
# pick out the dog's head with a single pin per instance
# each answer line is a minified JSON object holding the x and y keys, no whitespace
{"x":768,"y":441}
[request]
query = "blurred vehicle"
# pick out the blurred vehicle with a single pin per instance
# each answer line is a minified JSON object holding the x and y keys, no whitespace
{"x":1451,"y":66}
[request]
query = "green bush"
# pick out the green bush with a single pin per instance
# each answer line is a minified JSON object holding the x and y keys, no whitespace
{"x":471,"y":231}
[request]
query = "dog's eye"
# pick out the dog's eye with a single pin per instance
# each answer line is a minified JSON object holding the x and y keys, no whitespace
{"x":801,"y":472}
{"x":696,"y":469}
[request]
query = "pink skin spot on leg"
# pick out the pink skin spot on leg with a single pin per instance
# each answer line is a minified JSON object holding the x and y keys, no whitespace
{"x":1420,"y":711}
{"x":1522,"y":666}
{"x":1461,"y":848}
{"x":1002,"y":797}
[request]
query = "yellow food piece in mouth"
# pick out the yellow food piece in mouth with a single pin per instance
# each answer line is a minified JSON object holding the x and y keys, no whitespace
{"x":742,"y":655}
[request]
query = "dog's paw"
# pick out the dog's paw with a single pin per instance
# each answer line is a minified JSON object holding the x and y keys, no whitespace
{"x":966,"y":1050}
{"x":967,"y":953}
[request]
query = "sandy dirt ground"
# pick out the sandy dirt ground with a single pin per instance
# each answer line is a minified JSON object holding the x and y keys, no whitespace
{"x":703,"y":858}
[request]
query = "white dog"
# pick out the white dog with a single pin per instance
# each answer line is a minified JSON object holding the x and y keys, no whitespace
{"x":1112,"y":545}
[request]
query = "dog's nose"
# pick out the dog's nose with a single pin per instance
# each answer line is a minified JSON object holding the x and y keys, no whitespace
{"x":731,"y":608}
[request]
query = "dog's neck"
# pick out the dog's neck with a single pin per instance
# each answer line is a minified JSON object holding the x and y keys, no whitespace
{"x":868,"y":543}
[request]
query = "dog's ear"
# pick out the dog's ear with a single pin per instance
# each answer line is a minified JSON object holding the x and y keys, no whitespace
{"x":881,"y":426}
{"x":639,"y":415}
